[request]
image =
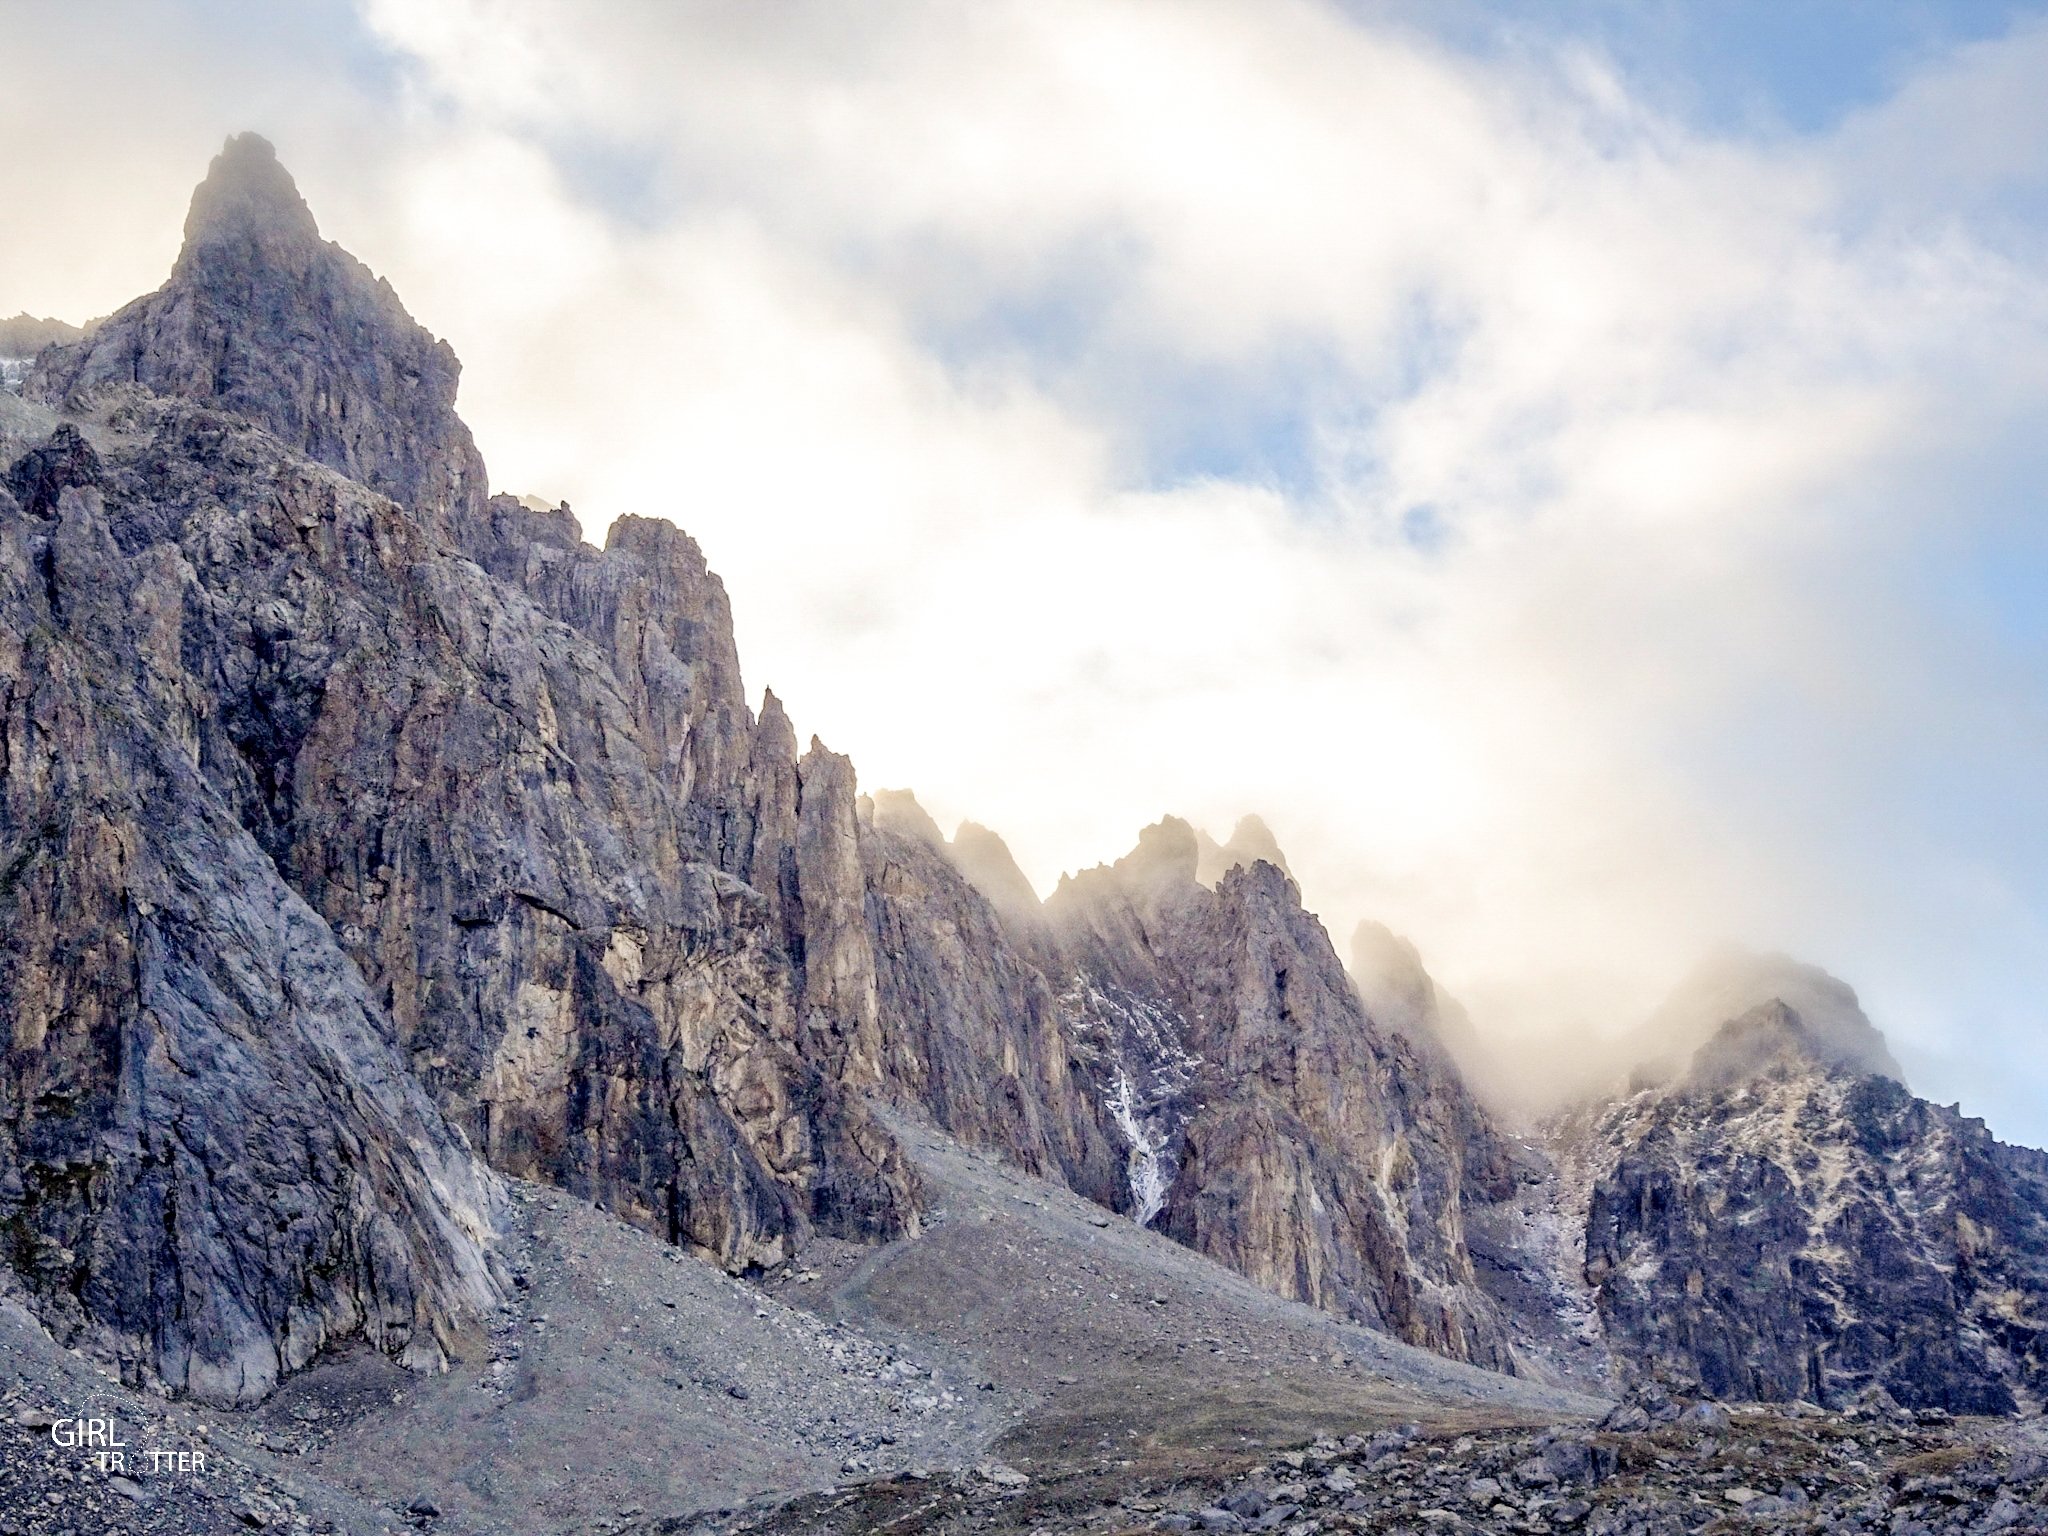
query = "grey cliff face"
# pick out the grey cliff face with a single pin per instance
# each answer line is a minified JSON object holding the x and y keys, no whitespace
{"x":1345,"y":1156}
{"x":487,"y":816}
{"x":213,"y":1159}
{"x":663,"y":623}
{"x":506,"y":832}
{"x":977,"y":1032}
{"x":1323,"y":1156}
{"x":1780,"y":1225}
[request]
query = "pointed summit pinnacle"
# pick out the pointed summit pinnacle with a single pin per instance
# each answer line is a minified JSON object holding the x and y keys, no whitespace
{"x":248,"y":193}
{"x":264,"y":320}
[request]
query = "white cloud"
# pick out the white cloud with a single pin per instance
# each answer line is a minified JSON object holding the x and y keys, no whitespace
{"x":891,"y":307}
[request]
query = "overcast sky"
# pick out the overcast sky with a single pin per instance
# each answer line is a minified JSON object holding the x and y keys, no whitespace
{"x":1575,"y":470}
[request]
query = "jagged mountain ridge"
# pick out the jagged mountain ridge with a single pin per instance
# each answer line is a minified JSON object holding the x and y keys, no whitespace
{"x":1251,"y":842}
{"x":1783,"y":1224}
{"x":587,"y":917}
{"x":1321,"y":1154}
{"x":626,"y":937}
{"x":22,"y":336}
{"x":1264,"y":1118}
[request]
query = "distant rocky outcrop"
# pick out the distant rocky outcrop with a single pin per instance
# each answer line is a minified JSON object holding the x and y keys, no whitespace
{"x":979,"y":854}
{"x":985,"y":859}
{"x":21,"y":338}
{"x":897,"y":811}
{"x":24,"y":335}
{"x":1785,"y":1222}
{"x":1401,"y":995}
{"x":1730,"y":983}
{"x":1327,"y":1157}
{"x":1251,"y":840}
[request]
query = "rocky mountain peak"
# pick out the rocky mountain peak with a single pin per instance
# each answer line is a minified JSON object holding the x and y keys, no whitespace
{"x":1251,"y":841}
{"x":248,"y":196}
{"x":1733,"y":982}
{"x":1770,"y":1039}
{"x":985,"y":859}
{"x":24,"y":335}
{"x":898,"y":811}
{"x":1167,"y":854}
{"x":774,"y":727}
{"x":265,"y":320}
{"x":1783,"y":1223}
{"x":1388,"y":968}
{"x":1400,"y":994}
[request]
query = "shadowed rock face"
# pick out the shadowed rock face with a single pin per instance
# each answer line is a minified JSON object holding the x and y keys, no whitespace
{"x":40,"y":477}
{"x":1779,"y":1225}
{"x":213,"y":1160}
{"x":978,"y":1032}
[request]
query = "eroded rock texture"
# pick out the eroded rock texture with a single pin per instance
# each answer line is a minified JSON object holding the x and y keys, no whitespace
{"x":491,"y":843}
{"x":978,"y":1033}
{"x":264,"y":319}
{"x":1326,"y":1157}
{"x":1780,"y":1225}
{"x":213,"y":1159}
